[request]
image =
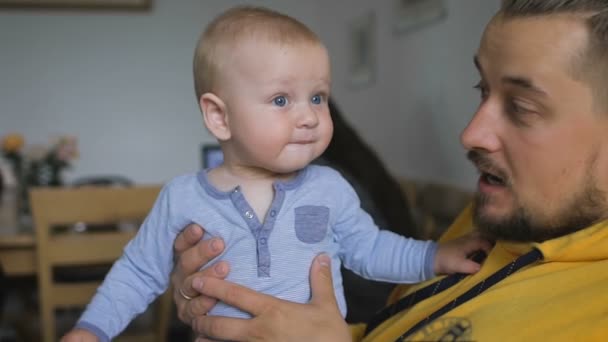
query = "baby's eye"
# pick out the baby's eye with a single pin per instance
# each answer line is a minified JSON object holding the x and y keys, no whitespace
{"x":280,"y":101}
{"x":317,"y":99}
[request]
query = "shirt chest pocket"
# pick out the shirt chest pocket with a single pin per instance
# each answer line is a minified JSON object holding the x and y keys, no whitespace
{"x":311,"y":223}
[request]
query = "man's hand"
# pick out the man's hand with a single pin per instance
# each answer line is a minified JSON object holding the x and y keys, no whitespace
{"x":274,"y":319}
{"x":191,"y":253}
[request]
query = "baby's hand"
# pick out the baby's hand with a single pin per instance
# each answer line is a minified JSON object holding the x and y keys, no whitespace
{"x":452,"y":255}
{"x":79,"y":335}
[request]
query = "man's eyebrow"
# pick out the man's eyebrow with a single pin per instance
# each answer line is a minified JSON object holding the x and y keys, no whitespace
{"x":524,"y":83}
{"x":521,"y":82}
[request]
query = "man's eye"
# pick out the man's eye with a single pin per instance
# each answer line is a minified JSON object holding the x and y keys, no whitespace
{"x":317,"y":99}
{"x":483,"y":91}
{"x":514,"y":108}
{"x":280,"y":101}
{"x":519,"y":113}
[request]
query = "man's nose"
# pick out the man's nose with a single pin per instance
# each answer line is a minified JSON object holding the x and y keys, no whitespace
{"x":482,"y":131}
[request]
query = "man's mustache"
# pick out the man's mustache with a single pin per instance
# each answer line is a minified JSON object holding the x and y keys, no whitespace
{"x":486,"y":165}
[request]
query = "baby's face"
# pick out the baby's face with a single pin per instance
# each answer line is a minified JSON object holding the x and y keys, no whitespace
{"x":276,"y":98}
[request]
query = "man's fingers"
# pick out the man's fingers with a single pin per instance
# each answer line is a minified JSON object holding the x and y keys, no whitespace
{"x":188,"y":238}
{"x":199,"y":306}
{"x":223,"y":328}
{"x":321,"y":282}
{"x":189,"y":309}
{"x":219,"y":270}
{"x":235,"y":295}
{"x":192,"y":259}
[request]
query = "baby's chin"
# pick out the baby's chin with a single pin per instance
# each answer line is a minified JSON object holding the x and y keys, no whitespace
{"x":293,"y":162}
{"x":289,"y":169}
{"x":291,"y":166}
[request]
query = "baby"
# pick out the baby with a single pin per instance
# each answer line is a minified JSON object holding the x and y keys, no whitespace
{"x":263,"y":81}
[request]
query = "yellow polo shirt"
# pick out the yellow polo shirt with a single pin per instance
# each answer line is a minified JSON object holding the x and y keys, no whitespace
{"x":564,"y":297}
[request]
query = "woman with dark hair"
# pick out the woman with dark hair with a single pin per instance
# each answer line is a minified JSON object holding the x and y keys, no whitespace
{"x":380,"y":196}
{"x":348,"y":153}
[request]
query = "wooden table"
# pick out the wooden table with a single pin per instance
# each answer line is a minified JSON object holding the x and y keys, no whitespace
{"x":17,"y":240}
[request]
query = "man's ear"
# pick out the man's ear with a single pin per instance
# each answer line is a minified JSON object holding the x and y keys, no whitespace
{"x":215,"y":116}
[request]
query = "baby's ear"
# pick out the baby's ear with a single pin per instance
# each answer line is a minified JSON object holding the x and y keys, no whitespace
{"x":214,"y":116}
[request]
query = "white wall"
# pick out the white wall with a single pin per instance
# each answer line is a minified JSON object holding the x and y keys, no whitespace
{"x":423,"y":96}
{"x":122,"y":82}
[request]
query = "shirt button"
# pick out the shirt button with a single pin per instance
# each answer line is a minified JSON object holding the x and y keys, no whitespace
{"x":235,"y":190}
{"x":263,"y":241}
{"x":273,"y":213}
{"x":248,"y":214}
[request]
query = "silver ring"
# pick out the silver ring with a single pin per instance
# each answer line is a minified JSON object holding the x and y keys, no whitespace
{"x":185,"y":296}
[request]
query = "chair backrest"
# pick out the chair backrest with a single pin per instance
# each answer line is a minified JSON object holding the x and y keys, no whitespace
{"x":93,"y":206}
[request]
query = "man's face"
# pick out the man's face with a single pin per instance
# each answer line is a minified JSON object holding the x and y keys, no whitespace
{"x":538,"y":139}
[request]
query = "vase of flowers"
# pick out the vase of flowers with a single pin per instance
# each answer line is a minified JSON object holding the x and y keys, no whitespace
{"x":38,"y":165}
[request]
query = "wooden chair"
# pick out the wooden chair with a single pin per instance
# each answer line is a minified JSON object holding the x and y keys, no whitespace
{"x":52,"y":207}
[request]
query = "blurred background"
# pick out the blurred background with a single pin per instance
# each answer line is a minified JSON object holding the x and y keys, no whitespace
{"x":121,"y":82}
{"x":104,"y":96}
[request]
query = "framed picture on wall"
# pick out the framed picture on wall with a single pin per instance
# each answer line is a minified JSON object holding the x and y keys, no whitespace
{"x":362,"y":50}
{"x":413,"y":14}
{"x":77,"y":4}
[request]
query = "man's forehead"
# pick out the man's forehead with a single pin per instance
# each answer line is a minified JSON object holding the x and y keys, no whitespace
{"x":558,"y":33}
{"x":531,"y":45}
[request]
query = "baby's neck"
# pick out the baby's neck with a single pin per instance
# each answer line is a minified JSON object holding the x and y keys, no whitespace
{"x":255,"y":184}
{"x":226,"y":177}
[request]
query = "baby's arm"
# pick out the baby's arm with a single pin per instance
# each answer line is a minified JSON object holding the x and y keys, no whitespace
{"x":386,"y":256}
{"x":452,"y":256}
{"x":136,"y":278}
{"x":377,"y":254}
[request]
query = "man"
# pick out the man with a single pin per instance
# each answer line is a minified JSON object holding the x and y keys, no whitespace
{"x":539,"y":140}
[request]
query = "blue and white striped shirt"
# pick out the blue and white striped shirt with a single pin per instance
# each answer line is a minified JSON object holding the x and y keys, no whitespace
{"x":317,"y":211}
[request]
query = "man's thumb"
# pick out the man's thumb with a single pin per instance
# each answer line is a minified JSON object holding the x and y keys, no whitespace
{"x":321,"y":283}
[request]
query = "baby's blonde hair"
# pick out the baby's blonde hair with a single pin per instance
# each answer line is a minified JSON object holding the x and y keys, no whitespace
{"x":233,"y":26}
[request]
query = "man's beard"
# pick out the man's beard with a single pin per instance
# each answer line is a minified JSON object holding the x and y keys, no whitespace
{"x":583,"y":209}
